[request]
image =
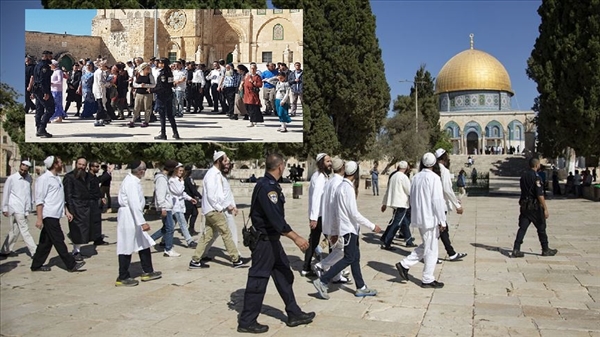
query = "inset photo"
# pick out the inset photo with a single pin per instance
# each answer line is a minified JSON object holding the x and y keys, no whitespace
{"x":155,"y":75}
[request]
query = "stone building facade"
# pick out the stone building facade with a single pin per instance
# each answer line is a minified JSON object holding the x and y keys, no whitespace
{"x":203,"y":36}
{"x":475,"y":108}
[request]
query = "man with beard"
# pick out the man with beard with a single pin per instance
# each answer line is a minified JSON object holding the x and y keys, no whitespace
{"x":451,"y":201}
{"x":77,"y":202}
{"x":96,"y":202}
{"x":315,"y":193}
{"x":214,"y":204}
{"x":16,"y":205}
{"x":50,"y":207}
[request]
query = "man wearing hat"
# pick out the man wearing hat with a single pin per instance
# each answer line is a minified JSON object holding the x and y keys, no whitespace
{"x":451,"y":201}
{"x":164,"y":99}
{"x":397,"y":197}
{"x":190,"y":94}
{"x":50,"y":207}
{"x":330,"y":222}
{"x":315,"y":193}
{"x":214,"y":204}
{"x":348,"y":230}
{"x":429,"y":216}
{"x":16,"y":205}
{"x":44,"y":102}
{"x":132,"y":228}
{"x":77,"y":203}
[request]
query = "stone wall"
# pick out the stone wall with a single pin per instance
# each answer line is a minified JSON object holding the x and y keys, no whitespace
{"x":63,"y":45}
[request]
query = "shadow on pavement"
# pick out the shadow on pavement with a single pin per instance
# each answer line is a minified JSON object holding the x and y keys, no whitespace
{"x":504,"y":251}
{"x":8,"y":266}
{"x":236,"y":302}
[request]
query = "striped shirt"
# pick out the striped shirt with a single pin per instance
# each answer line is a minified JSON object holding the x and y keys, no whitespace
{"x":232,"y":80}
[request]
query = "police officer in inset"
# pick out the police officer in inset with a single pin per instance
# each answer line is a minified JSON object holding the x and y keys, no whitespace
{"x":269,"y":258}
{"x":44,"y":102}
{"x":164,"y":99}
{"x":533,"y":209}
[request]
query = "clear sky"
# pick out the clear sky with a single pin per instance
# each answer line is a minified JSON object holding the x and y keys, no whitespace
{"x":409,"y":33}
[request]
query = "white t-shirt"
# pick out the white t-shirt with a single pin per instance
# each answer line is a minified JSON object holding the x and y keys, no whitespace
{"x":178,"y":75}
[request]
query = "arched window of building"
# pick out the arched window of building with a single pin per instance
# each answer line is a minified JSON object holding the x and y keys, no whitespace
{"x":450,"y":132}
{"x":517,"y":133}
{"x":495,"y":131}
{"x":278,"y":32}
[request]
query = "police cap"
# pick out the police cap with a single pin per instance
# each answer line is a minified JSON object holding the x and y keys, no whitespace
{"x":46,"y":52}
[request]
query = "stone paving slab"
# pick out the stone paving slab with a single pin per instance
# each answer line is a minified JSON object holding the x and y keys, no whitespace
{"x":486,"y":294}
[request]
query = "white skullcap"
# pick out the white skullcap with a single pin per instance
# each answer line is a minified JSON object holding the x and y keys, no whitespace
{"x":439,"y":152}
{"x":49,"y":161}
{"x":337,"y":163}
{"x":428,"y":159}
{"x":351,"y":167}
{"x":26,"y":162}
{"x":321,"y":156}
{"x":403,"y":164}
{"x":217,"y":155}
{"x":54,"y":62}
{"x":179,"y":165}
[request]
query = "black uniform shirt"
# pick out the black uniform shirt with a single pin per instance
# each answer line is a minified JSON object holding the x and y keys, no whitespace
{"x":531,"y":186}
{"x":267,"y":211}
{"x":28,"y":73}
{"x":164,"y":85}
{"x":42,"y":75}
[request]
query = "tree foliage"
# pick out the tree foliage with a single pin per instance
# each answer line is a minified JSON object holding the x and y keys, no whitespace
{"x":565,"y":64}
{"x":347,"y":96}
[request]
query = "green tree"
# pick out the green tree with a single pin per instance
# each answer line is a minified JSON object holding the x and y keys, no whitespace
{"x":347,"y":96}
{"x":565,"y":64}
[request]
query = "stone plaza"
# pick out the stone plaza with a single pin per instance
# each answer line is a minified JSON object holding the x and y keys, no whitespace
{"x":486,"y":294}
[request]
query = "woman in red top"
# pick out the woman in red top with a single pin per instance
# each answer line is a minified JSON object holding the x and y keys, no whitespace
{"x":252,"y":85}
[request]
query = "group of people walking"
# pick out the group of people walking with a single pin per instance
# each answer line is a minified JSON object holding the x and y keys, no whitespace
{"x":100,"y":91}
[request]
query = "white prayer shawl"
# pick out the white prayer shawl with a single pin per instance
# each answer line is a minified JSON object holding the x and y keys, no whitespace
{"x":130,"y":236}
{"x":327,"y":206}
{"x":427,"y":200}
{"x":398,"y":191}
{"x":315,"y":193}
{"x":347,"y":212}
{"x":449,"y":196}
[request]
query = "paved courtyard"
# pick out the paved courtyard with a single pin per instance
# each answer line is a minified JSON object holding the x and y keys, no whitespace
{"x":486,"y":294}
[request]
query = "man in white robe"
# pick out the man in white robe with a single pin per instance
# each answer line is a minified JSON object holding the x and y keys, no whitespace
{"x":132,"y":228}
{"x":428,"y":215}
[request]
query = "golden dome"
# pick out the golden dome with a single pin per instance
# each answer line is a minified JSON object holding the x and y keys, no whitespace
{"x":473,"y":70}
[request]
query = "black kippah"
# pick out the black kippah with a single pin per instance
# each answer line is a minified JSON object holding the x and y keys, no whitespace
{"x":135,"y":164}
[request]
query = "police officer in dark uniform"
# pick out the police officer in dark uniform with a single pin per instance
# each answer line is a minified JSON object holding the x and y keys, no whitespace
{"x":268,"y":257}
{"x":44,"y":102}
{"x":533,"y":209}
{"x":29,"y":66}
{"x":164,"y":99}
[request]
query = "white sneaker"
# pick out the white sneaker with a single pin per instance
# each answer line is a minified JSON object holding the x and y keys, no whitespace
{"x":171,"y":253}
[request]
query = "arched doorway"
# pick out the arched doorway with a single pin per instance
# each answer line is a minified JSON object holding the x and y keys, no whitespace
{"x":472,"y":142}
{"x":229,"y":58}
{"x":65,"y":61}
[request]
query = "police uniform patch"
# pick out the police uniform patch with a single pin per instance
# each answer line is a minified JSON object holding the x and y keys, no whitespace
{"x":538,"y":183}
{"x":44,"y":70}
{"x":273,"y":197}
{"x":162,"y":78}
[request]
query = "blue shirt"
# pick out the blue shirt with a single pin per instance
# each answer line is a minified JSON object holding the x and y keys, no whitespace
{"x":268,"y":74}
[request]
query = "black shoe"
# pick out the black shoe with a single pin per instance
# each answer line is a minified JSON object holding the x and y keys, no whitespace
{"x":101,"y":243}
{"x":403,"y":271}
{"x":434,"y":284}
{"x":254,"y":328}
{"x":242,"y":261}
{"x":304,"y":318}
{"x":193,"y":232}
{"x":457,"y":257}
{"x":77,"y":115}
{"x":77,"y":266}
{"x":549,"y":252}
{"x":78,"y":257}
{"x":234,"y":117}
{"x":517,"y":253}
{"x":42,"y":268}
{"x":411,"y":244}
{"x":192,"y":244}
{"x":44,"y":134}
{"x":161,"y":137}
{"x":384,"y":247}
{"x":197,"y":265}
{"x":246,"y":118}
{"x":176,"y":136}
